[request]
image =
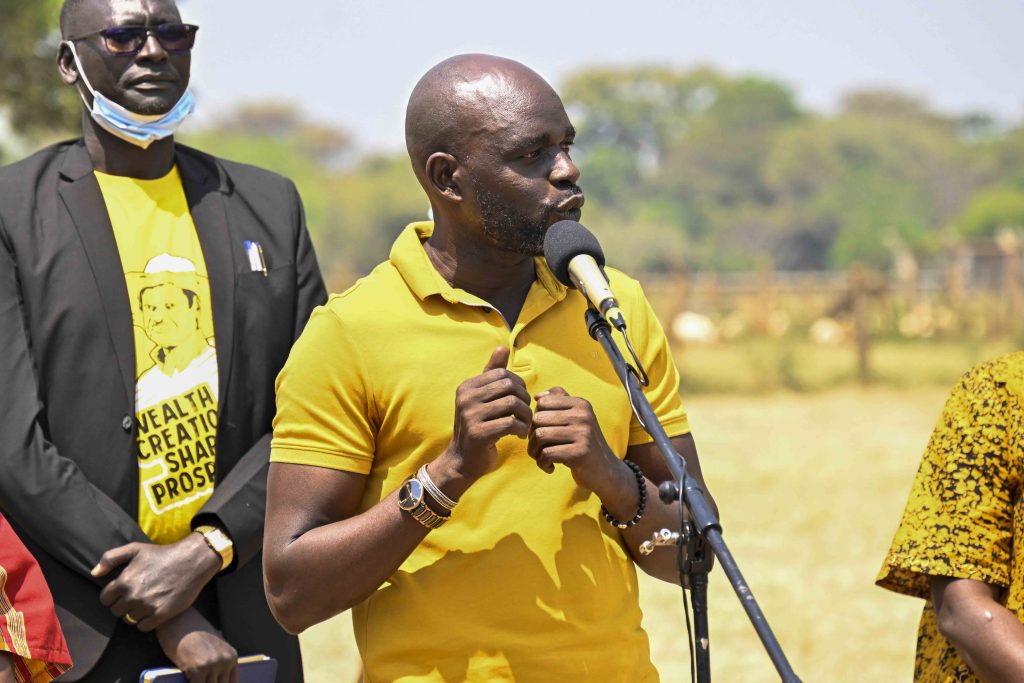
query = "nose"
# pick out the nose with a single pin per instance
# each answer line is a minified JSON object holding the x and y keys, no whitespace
{"x":564,"y":170}
{"x":152,"y":50}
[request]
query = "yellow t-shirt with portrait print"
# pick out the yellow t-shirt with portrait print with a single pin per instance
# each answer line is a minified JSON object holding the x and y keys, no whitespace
{"x":175,"y":355}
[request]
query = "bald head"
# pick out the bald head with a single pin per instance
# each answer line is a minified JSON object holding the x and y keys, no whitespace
{"x":463,"y":98}
{"x":489,"y":141}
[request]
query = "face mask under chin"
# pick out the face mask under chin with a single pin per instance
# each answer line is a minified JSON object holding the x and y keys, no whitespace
{"x":141,"y":130}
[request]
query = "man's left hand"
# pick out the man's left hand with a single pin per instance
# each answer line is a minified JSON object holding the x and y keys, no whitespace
{"x":565,"y":432}
{"x":158,"y":582}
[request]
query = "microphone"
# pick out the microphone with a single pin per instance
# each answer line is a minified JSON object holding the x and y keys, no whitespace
{"x":574,"y":256}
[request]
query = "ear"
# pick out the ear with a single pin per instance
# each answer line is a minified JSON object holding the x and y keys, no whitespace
{"x":66,"y":65}
{"x":442,"y":171}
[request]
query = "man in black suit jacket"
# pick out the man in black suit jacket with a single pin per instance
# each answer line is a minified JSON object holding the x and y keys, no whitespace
{"x":69,"y":427}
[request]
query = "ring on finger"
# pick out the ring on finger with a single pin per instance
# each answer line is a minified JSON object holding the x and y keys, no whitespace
{"x":130,"y":620}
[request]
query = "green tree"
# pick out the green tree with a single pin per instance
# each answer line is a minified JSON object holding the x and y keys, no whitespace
{"x":32,"y":96}
{"x":992,"y":211}
{"x":886,"y":172}
{"x":626,"y":119}
{"x":669,"y":152}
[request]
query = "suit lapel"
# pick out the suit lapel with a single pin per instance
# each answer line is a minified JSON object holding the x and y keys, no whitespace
{"x":88,"y":213}
{"x":204,"y":190}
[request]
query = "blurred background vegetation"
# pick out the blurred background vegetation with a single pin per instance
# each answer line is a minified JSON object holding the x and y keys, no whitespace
{"x":744,"y":213}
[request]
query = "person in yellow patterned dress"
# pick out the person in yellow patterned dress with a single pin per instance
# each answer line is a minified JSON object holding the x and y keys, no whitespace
{"x":960,"y":545}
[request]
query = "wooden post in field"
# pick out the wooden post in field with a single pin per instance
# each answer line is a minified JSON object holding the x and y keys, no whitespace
{"x":680,"y":283}
{"x":908,"y":275}
{"x":1010,"y":246}
{"x":858,"y":279}
{"x":956,"y":276}
{"x":713,"y":293}
{"x":766,"y":299}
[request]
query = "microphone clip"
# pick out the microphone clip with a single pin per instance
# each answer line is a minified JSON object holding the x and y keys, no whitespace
{"x":596,"y":322}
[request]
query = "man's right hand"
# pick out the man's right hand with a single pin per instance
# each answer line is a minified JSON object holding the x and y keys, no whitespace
{"x":158,"y":581}
{"x":198,"y":649}
{"x":489,"y":406}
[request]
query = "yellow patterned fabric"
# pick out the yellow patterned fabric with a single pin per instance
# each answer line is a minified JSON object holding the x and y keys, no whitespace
{"x":965,"y":517}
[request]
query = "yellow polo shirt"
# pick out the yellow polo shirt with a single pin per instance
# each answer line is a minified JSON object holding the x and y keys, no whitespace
{"x":527,"y":582}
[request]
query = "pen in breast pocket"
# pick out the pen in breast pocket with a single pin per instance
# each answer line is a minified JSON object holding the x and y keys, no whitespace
{"x":263,"y":261}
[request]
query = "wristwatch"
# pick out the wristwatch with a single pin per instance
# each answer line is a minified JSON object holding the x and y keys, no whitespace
{"x":219,"y":542}
{"x":411,"y":500}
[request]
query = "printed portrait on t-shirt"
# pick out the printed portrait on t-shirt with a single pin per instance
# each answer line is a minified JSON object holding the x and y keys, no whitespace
{"x":176,"y":388}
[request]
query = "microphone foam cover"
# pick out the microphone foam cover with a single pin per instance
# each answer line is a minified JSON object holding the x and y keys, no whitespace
{"x":566,"y":240}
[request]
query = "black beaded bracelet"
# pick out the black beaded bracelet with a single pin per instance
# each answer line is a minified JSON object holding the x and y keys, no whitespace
{"x":641,"y":482}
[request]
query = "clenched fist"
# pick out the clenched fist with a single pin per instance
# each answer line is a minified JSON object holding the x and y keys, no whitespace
{"x":489,"y":406}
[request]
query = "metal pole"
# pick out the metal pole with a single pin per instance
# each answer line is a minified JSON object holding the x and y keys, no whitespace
{"x":703,"y":518}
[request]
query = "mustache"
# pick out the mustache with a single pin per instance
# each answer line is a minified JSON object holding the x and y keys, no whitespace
{"x":572,"y":190}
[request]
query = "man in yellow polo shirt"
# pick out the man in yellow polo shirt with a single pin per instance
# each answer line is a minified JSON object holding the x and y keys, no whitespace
{"x":453,"y":455}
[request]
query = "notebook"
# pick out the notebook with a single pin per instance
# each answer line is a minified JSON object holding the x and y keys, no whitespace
{"x":252,"y":669}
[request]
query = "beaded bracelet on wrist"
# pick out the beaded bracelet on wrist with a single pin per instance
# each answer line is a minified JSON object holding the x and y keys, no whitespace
{"x":641,"y":482}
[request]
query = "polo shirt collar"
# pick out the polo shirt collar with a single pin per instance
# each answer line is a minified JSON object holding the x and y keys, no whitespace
{"x":411,"y":261}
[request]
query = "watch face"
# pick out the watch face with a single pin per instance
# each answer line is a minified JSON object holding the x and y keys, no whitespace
{"x":218,"y":539}
{"x":411,"y":495}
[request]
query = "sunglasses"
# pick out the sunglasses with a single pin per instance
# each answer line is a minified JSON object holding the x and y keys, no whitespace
{"x":129,"y":40}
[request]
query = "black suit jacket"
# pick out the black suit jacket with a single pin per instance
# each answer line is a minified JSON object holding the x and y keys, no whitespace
{"x":68,"y":464}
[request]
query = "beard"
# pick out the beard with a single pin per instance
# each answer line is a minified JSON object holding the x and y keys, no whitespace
{"x":152,"y":106}
{"x":509,"y":227}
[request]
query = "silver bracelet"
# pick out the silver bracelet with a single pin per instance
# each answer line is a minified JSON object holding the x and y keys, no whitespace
{"x":435,"y":493}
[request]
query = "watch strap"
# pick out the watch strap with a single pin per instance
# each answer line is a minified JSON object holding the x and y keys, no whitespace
{"x":427,"y":517}
{"x":219,"y":543}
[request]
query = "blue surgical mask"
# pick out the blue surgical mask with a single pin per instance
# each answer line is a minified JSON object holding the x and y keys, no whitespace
{"x":139,"y":129}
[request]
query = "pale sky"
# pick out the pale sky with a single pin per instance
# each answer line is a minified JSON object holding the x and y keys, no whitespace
{"x":353,"y":62}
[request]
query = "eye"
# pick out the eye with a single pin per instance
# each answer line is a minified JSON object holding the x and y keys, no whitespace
{"x":567,"y":146}
{"x":534,"y":154}
{"x":122,"y":39}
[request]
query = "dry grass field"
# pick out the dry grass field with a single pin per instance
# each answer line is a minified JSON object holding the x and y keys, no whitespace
{"x":811,"y":487}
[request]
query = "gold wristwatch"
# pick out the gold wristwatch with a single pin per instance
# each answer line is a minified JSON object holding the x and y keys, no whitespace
{"x":411,"y":500}
{"x":219,"y":542}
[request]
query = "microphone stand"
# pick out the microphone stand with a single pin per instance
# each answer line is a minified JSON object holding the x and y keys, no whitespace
{"x":702,"y":531}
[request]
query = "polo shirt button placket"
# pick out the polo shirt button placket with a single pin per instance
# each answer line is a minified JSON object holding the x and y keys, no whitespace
{"x":126,"y":423}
